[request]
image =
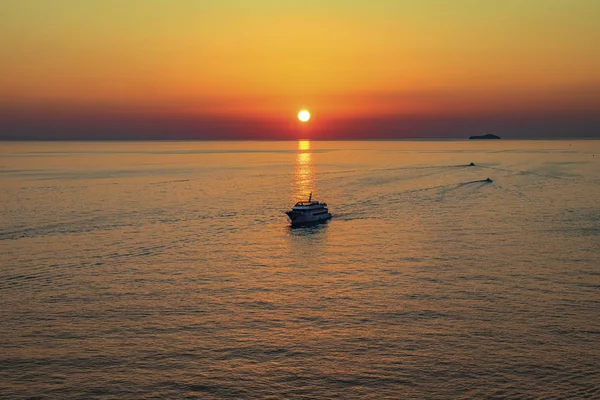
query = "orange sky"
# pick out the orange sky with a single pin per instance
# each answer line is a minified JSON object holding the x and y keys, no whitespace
{"x":266,"y":59}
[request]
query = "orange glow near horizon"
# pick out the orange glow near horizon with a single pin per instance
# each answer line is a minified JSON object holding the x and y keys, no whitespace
{"x":346,"y":59}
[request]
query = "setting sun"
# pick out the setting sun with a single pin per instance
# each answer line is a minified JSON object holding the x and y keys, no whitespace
{"x":304,"y":115}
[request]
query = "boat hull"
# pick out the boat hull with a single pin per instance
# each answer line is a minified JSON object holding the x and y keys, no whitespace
{"x":298,"y":219}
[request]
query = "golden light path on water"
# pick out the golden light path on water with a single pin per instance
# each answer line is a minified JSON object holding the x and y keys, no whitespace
{"x":304,"y":174}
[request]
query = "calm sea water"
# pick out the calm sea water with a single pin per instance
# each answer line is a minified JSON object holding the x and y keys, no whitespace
{"x":168,"y":270}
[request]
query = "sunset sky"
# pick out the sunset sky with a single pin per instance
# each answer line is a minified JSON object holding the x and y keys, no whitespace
{"x":197,"y":69}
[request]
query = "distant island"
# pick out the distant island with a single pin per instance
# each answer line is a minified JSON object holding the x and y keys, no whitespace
{"x":488,"y":136}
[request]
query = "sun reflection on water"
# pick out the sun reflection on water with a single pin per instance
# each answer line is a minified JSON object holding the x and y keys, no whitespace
{"x":303,"y":144}
{"x":304,"y":174}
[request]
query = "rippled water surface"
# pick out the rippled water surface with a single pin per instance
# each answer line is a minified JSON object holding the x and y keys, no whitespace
{"x":168,"y":270}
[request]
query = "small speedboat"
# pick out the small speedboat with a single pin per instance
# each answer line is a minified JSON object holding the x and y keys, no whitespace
{"x":308,"y":212}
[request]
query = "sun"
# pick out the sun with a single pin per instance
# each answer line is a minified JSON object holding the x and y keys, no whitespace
{"x":304,"y":115}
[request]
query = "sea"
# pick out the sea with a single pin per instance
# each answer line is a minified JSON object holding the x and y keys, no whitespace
{"x":168,"y":270}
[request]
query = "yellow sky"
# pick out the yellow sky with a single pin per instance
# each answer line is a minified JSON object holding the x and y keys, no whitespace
{"x":273,"y":57}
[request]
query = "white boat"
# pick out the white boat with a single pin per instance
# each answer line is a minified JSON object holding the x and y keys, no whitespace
{"x":308,"y":212}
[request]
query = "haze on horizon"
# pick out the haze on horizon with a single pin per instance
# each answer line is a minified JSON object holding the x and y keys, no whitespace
{"x":237,"y":69}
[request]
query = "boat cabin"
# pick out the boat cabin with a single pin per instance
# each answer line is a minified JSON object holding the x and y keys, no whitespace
{"x":307,"y":203}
